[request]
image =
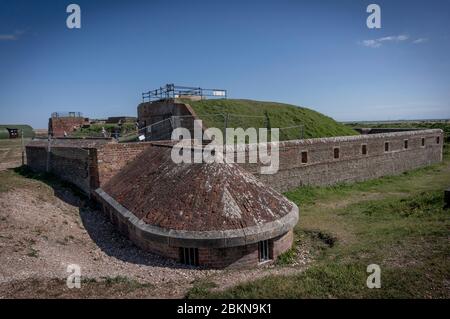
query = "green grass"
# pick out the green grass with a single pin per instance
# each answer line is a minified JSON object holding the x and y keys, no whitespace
{"x":95,"y":130}
{"x":27,"y":130}
{"x":125,"y":283}
{"x":445,"y":126}
{"x":249,"y":113}
{"x":11,"y":150}
{"x":397,"y":222}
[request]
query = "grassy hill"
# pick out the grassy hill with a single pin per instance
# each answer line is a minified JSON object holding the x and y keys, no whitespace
{"x":424,"y":124}
{"x":27,"y":130}
{"x":249,"y":113}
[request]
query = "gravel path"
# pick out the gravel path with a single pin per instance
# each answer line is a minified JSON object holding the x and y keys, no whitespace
{"x":43,"y":230}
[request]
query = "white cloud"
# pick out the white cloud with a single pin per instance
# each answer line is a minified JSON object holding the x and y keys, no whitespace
{"x":376,"y":43}
{"x":420,"y":40}
{"x":371,"y":43}
{"x":8,"y":37}
{"x":12,"y":36}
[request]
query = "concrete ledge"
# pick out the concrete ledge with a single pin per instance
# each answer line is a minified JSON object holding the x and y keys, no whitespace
{"x":202,"y":239}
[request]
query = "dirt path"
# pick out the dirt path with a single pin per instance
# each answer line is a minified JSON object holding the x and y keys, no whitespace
{"x":43,"y":230}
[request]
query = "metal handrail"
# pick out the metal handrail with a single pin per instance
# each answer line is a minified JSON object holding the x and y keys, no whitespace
{"x":67,"y":114}
{"x":171,"y":91}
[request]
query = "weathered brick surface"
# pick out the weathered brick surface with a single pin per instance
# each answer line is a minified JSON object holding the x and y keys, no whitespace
{"x":36,"y":158}
{"x":160,"y":112}
{"x":283,"y":243}
{"x":58,"y":125}
{"x":352,"y":165}
{"x":196,"y":197}
{"x":243,"y":256}
{"x":72,"y":165}
{"x":95,"y":166}
{"x":84,"y":163}
{"x":321,"y":168}
{"x":68,"y":163}
{"x":230,"y":257}
{"x":112,"y":158}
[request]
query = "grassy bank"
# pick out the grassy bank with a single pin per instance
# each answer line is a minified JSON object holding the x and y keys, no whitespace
{"x":445,"y":126}
{"x":396,"y":222}
{"x":249,"y":113}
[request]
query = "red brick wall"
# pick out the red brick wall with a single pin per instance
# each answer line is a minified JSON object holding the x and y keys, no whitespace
{"x":112,"y":157}
{"x":323,"y":169}
{"x":283,"y":243}
{"x":58,"y":125}
{"x":37,"y":158}
{"x":88,"y":168}
{"x":231,"y":257}
{"x":243,"y":256}
{"x":71,"y":164}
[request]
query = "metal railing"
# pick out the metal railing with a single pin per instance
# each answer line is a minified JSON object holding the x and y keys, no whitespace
{"x":67,"y":114}
{"x":164,"y":128}
{"x":171,"y":91}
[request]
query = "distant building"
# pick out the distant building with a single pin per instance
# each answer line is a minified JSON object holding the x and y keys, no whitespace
{"x":13,"y":132}
{"x":67,"y":122}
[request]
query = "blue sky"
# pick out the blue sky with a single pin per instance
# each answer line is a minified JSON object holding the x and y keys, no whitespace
{"x":318,"y":54}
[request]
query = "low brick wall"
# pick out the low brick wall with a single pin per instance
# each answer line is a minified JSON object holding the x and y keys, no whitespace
{"x":58,"y":125}
{"x":158,"y":114}
{"x":72,"y":165}
{"x":244,"y":256}
{"x":87,"y":164}
{"x":37,"y":158}
{"x":112,"y":157}
{"x":322,"y":168}
{"x":357,"y":158}
{"x":228,"y":257}
{"x":68,"y":163}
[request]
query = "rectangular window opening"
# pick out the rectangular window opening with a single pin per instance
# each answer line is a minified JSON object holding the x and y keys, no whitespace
{"x":264,"y":251}
{"x":336,"y":152}
{"x":364,"y":149}
{"x":386,"y":146}
{"x":405,"y":144}
{"x":437,"y":140}
{"x":423,"y":141}
{"x":189,"y":256}
{"x":304,"y":157}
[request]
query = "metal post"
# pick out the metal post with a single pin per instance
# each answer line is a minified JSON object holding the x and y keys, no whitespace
{"x":225,"y":128}
{"x":47,"y":169}
{"x":23,"y":148}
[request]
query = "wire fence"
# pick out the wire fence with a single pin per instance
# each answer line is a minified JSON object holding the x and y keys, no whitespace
{"x":162,"y":129}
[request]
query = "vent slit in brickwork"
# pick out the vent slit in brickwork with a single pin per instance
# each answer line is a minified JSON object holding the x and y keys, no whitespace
{"x":263,"y":249}
{"x":364,"y":149}
{"x":189,"y":256}
{"x":336,"y":152}
{"x":304,"y":157}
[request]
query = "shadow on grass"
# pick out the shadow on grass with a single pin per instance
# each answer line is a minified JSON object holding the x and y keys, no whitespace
{"x":102,"y":232}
